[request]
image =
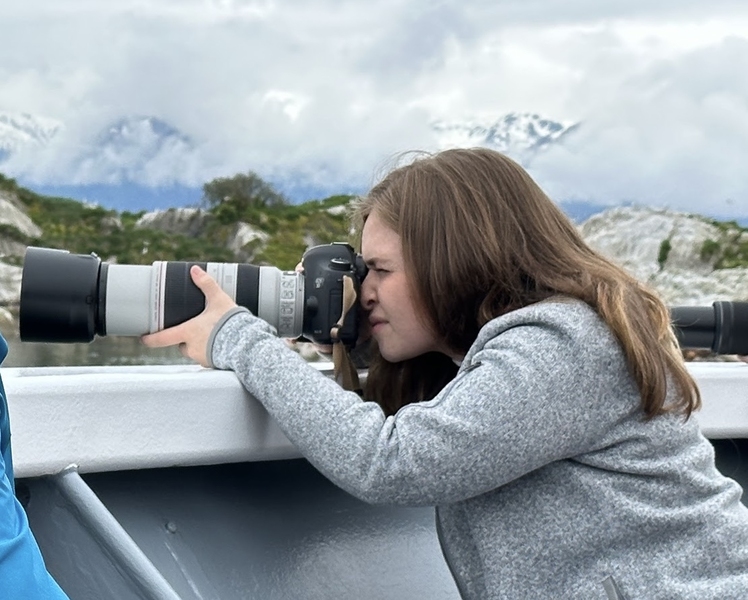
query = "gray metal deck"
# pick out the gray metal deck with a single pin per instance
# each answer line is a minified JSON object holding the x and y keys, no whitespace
{"x":265,"y":530}
{"x":274,"y":530}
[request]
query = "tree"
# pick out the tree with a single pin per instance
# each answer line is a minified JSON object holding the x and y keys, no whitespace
{"x":234,"y":196}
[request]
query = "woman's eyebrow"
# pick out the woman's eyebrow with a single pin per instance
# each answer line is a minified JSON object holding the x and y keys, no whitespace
{"x":375,"y":261}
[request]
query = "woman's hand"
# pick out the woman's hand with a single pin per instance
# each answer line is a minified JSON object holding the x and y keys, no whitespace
{"x":192,"y":336}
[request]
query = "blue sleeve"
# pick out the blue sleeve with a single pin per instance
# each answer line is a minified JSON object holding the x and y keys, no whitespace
{"x":23,"y":575}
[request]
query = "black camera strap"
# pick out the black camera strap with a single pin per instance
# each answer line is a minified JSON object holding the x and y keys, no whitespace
{"x":345,"y":371}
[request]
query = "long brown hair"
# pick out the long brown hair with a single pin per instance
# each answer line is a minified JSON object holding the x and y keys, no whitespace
{"x":480,"y":239}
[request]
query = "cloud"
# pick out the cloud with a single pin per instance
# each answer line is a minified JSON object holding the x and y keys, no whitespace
{"x":673,"y":134}
{"x":416,"y":41}
{"x":329,"y":90}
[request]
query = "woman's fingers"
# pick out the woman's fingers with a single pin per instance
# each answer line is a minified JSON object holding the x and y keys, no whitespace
{"x":192,"y":335}
{"x":207,"y":285}
{"x":166,"y":337}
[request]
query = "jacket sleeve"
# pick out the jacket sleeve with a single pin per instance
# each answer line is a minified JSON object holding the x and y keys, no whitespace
{"x":23,"y":575}
{"x":536,"y":392}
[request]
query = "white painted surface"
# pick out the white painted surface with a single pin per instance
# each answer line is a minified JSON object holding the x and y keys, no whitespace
{"x":114,"y":418}
{"x":724,"y":390}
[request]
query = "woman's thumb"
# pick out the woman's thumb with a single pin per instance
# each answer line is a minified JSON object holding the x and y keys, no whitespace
{"x":202,"y":280}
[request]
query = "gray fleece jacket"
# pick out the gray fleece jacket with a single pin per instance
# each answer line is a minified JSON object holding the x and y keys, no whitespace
{"x":547,"y":481}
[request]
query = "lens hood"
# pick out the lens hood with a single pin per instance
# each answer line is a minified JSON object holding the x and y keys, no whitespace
{"x":59,"y":296}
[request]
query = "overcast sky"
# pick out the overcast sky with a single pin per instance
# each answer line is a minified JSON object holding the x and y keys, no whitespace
{"x":333,"y":88}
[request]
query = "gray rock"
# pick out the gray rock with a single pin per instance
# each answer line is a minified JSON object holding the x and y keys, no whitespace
{"x":339,"y":210}
{"x":633,"y":236}
{"x":10,"y":284}
{"x":11,"y":214}
{"x":245,"y":235}
{"x":7,"y":322}
{"x":185,"y":221}
{"x":11,"y":249}
{"x":244,"y":241}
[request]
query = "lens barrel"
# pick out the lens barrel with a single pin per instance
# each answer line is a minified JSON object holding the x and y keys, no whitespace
{"x":74,"y":297}
{"x":721,"y":328}
{"x":182,"y":299}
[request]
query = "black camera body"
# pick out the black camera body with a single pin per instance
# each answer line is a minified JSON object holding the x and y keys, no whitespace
{"x":72,"y":298}
{"x":324,"y":269}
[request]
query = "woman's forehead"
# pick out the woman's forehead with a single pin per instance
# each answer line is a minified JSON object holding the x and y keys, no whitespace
{"x":379,"y":240}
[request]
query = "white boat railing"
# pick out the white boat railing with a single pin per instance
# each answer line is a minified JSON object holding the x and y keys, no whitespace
{"x":119,"y":418}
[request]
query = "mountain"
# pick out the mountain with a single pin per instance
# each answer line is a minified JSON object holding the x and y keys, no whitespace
{"x":141,"y":149}
{"x":126,"y":196}
{"x":520,"y":135}
{"x":579,"y":211}
{"x":22,"y":130}
{"x":135,"y":163}
{"x":142,"y":162}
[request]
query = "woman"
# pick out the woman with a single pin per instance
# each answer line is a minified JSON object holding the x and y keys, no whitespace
{"x":522,"y":384}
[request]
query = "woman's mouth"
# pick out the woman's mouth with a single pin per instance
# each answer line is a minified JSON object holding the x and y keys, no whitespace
{"x":376,"y":324}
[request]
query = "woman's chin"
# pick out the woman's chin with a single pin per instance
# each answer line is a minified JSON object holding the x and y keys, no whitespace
{"x":387,"y":353}
{"x":394,"y":355}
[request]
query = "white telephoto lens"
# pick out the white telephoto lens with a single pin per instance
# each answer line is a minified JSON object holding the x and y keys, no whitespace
{"x":129,"y":300}
{"x":280,"y":300}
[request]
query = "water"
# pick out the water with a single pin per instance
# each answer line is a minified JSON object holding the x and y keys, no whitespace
{"x":102,"y":351}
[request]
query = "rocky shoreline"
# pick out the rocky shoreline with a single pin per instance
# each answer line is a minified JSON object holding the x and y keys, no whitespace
{"x":662,"y":248}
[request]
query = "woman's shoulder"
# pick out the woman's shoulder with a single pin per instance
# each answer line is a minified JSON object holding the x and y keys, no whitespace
{"x":557,"y":310}
{"x":564,"y":318}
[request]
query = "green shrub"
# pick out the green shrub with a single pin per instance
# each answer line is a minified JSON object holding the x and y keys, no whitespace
{"x":81,"y":229}
{"x":709,"y":250}
{"x":11,"y":233}
{"x":665,"y":248}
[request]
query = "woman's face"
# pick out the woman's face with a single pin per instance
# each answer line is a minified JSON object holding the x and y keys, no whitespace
{"x":396,"y":321}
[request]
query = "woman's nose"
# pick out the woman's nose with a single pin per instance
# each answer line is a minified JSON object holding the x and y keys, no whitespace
{"x":368,"y":297}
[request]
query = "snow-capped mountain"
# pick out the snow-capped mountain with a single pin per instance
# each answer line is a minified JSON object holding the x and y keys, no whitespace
{"x":134,"y":163}
{"x":520,"y":135}
{"x":146,"y":163}
{"x":133,"y":129}
{"x":23,"y":130}
{"x":142,"y":133}
{"x":138,"y":149}
{"x":141,"y":149}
